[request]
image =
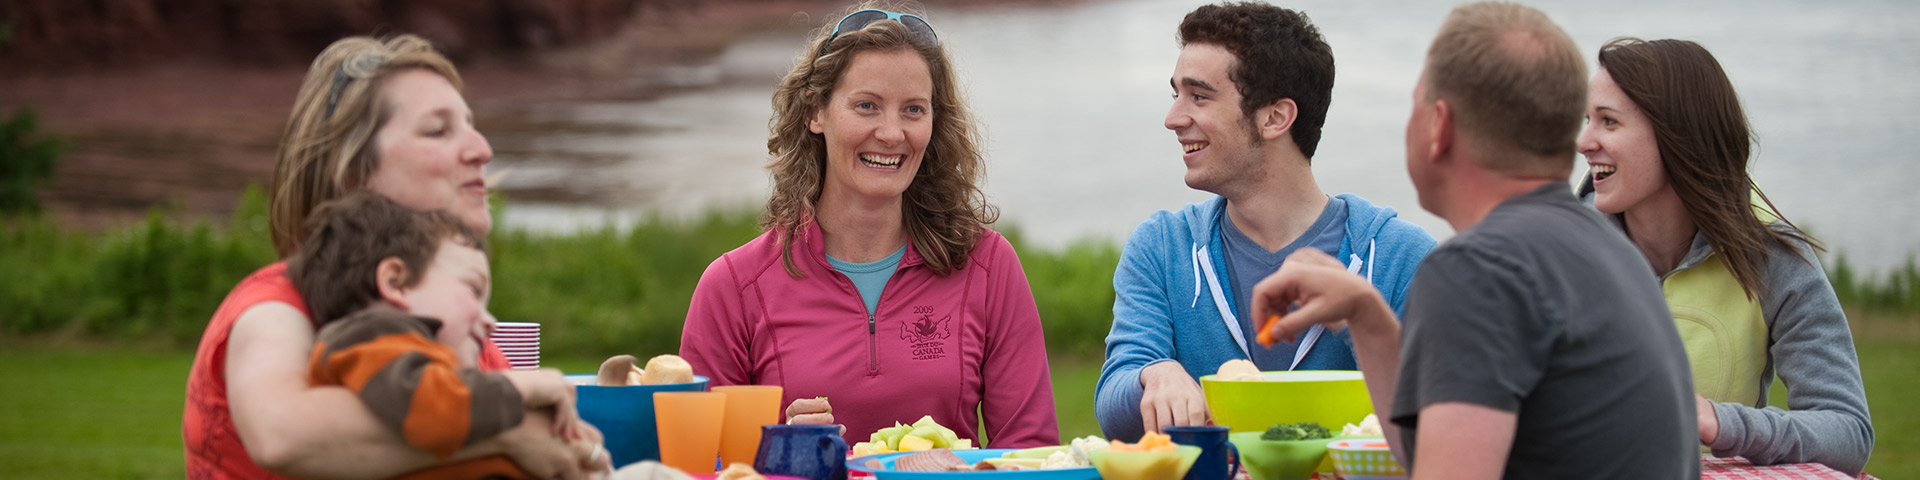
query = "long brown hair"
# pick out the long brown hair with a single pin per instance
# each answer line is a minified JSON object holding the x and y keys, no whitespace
{"x":944,"y":212}
{"x":327,"y":150}
{"x":1704,"y":142}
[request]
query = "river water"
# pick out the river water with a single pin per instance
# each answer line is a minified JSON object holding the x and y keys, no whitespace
{"x":1073,"y":97}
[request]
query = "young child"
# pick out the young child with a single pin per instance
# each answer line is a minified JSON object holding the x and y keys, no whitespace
{"x":401,"y":299}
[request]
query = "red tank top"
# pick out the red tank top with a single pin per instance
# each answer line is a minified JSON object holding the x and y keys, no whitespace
{"x":212,"y":444}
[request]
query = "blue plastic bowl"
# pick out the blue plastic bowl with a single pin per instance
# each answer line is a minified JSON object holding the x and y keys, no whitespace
{"x":886,"y":471}
{"x":625,"y":415}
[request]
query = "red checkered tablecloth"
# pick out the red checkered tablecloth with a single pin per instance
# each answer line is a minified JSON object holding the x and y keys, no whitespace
{"x":1713,"y":468}
{"x":1737,"y":468}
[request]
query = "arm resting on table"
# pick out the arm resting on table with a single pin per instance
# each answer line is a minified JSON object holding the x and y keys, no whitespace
{"x":1141,"y":335}
{"x":1812,"y":350}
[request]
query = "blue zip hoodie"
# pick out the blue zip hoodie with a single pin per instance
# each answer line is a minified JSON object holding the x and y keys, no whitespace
{"x":1170,"y":290}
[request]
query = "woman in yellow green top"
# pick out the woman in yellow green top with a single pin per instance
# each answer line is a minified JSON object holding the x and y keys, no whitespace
{"x":1667,"y":146}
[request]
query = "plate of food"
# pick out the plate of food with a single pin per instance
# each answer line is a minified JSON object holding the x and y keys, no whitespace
{"x":941,"y":463}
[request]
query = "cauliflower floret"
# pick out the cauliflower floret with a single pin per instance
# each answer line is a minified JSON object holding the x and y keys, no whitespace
{"x":1080,"y":447}
{"x":1059,"y":459}
{"x":1368,"y":427}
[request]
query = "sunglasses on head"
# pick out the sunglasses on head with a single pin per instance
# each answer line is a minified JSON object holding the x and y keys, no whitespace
{"x":858,"y":20}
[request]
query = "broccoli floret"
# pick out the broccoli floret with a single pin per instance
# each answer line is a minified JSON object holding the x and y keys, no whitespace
{"x":1296,"y":431}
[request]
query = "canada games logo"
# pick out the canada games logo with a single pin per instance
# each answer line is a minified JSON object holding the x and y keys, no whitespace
{"x":927,"y":335}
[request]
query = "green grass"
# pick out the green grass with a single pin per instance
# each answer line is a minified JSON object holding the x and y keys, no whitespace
{"x":91,"y":412}
{"x":1890,"y":362}
{"x":1073,"y":382}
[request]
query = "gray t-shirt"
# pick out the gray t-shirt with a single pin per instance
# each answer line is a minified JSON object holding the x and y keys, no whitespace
{"x":1248,"y":263}
{"x":1545,"y":310}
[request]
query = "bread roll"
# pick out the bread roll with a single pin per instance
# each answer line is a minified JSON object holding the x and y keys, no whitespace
{"x":665,"y":369}
{"x":1239,"y":370}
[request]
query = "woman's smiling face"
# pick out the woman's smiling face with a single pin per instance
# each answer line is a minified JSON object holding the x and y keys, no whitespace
{"x":1620,"y":148}
{"x":877,"y":125}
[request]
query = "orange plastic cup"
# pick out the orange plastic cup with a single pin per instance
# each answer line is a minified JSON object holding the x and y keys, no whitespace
{"x":748,"y":407}
{"x":689,"y":428}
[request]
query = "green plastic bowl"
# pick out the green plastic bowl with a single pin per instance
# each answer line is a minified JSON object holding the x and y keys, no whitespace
{"x":1332,"y":398}
{"x":1281,"y":460}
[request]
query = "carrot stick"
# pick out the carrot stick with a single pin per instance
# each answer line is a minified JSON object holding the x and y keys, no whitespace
{"x":1265,"y":337}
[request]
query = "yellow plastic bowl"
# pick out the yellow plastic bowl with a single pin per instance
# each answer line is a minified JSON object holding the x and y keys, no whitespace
{"x":1364,"y":457}
{"x":1144,"y":465}
{"x":1332,"y":398}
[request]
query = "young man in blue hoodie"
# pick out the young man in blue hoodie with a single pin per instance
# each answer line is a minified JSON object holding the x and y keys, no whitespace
{"x":1251,"y":90}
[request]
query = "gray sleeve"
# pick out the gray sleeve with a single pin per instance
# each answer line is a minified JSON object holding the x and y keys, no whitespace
{"x":1812,"y":351}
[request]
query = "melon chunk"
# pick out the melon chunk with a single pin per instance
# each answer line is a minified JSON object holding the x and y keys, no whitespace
{"x":911,"y":443}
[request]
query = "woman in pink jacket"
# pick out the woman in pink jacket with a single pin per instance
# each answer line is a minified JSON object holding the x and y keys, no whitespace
{"x":877,"y":283}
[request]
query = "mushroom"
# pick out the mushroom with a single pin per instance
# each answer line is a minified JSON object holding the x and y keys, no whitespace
{"x":613,"y":372}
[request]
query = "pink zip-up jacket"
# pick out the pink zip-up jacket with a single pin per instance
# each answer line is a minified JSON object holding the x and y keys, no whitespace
{"x":940,"y":346}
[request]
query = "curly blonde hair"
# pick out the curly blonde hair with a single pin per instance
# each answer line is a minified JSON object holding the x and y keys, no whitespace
{"x":944,"y":210}
{"x":326,"y":150}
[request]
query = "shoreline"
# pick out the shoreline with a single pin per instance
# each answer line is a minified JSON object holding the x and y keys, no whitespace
{"x":187,"y":137}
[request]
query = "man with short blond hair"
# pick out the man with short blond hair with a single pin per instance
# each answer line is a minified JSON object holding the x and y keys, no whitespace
{"x":1535,"y":345}
{"x":1507,"y":71}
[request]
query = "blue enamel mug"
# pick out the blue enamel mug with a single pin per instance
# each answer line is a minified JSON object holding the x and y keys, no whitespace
{"x":814,"y":452}
{"x":1214,"y":463}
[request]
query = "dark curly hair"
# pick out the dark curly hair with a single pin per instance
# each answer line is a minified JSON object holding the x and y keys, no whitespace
{"x":1279,"y":54}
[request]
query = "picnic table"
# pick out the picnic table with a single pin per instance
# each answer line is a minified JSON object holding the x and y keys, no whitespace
{"x":1737,"y":468}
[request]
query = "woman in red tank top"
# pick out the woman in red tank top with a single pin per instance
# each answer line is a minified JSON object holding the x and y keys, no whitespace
{"x":364,"y":119}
